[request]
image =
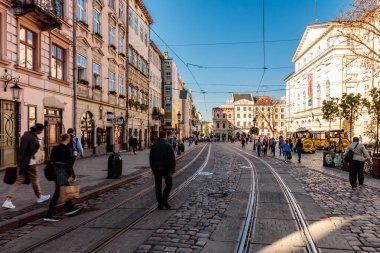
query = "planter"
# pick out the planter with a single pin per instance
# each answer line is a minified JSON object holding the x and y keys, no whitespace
{"x":376,"y":166}
{"x":328,"y":159}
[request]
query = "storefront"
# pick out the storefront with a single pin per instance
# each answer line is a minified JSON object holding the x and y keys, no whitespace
{"x":119,"y":133}
{"x":9,"y":128}
{"x":87,"y":133}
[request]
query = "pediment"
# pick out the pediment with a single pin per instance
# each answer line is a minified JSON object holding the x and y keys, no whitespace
{"x":98,"y":51}
{"x":83,"y":41}
{"x":112,"y":60}
{"x":311,"y":35}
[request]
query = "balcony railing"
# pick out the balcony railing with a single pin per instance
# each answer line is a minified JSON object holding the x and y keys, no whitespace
{"x":48,"y":14}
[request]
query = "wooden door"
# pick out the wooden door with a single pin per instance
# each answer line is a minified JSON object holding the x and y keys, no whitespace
{"x":8,"y":133}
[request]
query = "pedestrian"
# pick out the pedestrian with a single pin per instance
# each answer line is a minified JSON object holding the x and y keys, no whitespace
{"x":26,"y":166}
{"x":162,"y":162}
{"x":357,"y":164}
{"x":299,"y":149}
{"x":280,"y":143}
{"x":265,"y":146}
{"x":291,"y":145}
{"x":259,"y":144}
{"x":286,"y":151}
{"x":243,"y":143}
{"x":61,"y":157}
{"x":75,"y":145}
{"x":273,"y":144}
{"x":135,"y":143}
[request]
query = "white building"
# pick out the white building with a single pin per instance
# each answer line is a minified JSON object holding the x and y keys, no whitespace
{"x":243,"y":108}
{"x":325,"y":67}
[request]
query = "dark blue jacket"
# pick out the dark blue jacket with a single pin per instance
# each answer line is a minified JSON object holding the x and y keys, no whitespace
{"x":162,"y":157}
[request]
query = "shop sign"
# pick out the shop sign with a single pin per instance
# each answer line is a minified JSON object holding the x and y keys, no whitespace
{"x":110,"y":116}
{"x":120,"y":121}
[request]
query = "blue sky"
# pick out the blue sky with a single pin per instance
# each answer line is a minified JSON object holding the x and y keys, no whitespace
{"x":180,"y":22}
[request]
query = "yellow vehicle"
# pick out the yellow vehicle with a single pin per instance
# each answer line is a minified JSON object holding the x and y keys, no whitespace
{"x":306,"y":138}
{"x":338,"y":140}
{"x":319,"y":139}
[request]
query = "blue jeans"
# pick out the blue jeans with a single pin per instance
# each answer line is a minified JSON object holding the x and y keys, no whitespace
{"x":299,"y":154}
{"x":258,"y":150}
{"x":286,"y":155}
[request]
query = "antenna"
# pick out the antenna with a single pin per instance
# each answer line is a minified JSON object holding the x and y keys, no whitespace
{"x":315,"y":11}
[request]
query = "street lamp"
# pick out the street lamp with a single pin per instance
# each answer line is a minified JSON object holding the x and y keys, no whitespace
{"x":254,"y":132}
{"x":179,"y":136}
{"x":16,"y":91}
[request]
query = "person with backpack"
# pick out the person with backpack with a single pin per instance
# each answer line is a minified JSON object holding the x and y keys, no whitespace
{"x":354,"y":156}
{"x":75,"y":145}
{"x":26,"y":166}
{"x":61,"y":157}
{"x":299,"y":148}
{"x":259,"y":144}
{"x":286,"y":151}
{"x":273,"y":147}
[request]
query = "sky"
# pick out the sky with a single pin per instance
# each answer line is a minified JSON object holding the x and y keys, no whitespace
{"x":229,"y":33}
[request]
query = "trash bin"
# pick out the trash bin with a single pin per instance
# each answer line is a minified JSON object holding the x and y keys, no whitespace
{"x":115,"y":166}
{"x":182,"y":147}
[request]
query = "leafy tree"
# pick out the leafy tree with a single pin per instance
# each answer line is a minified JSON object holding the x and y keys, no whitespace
{"x":373,"y":107}
{"x":350,"y":106}
{"x":330,"y":110}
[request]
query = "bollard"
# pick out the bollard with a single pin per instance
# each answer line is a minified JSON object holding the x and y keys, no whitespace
{"x":115,"y":166}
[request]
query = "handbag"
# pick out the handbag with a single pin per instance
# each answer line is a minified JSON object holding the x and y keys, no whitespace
{"x":10,"y":175}
{"x":67,"y":193}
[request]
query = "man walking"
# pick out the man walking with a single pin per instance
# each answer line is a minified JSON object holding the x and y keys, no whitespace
{"x":162,"y":162}
{"x":75,"y":145}
{"x":299,"y":148}
{"x":357,"y":164}
{"x":26,"y":164}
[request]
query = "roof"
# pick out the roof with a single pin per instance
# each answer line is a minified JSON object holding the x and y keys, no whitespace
{"x":238,"y":97}
{"x":264,"y":101}
{"x":155,"y":48}
{"x":144,"y":10}
{"x":226,"y":106}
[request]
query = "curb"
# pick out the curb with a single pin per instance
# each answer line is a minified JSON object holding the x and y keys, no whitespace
{"x":39,"y":213}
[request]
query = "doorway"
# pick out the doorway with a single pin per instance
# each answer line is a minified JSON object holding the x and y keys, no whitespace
{"x":53,"y":129}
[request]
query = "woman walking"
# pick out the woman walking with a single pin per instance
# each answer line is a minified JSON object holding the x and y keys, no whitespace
{"x":61,"y":157}
{"x":299,"y":148}
{"x":259,"y":144}
{"x":286,"y":151}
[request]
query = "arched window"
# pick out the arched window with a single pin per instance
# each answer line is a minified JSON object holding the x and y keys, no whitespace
{"x":318,"y":95}
{"x":298,"y":102}
{"x":87,"y":130}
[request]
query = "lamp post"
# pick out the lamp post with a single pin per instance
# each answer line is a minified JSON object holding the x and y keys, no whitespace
{"x":254,"y":132}
{"x":179,"y":136}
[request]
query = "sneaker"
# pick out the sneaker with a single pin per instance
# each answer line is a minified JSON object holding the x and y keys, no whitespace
{"x":43,"y":198}
{"x":8,"y":204}
{"x":51,"y":219}
{"x":73,"y":211}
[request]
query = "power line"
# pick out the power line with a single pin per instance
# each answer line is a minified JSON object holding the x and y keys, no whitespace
{"x":231,"y":43}
{"x":235,"y":67}
{"x":264,"y":51}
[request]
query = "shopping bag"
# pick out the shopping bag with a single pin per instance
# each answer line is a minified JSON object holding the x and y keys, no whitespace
{"x":67,"y":193}
{"x":10,"y":175}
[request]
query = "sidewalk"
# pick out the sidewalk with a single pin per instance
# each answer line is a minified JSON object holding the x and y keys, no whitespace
{"x":315,"y":162}
{"x":92,"y":176}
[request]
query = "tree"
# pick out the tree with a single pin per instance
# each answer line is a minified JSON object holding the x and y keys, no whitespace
{"x":330,"y":110}
{"x":350,"y":106}
{"x":373,"y":107}
{"x":268,"y":114}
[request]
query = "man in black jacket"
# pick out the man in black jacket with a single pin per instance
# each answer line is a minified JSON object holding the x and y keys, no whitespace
{"x":162,"y":162}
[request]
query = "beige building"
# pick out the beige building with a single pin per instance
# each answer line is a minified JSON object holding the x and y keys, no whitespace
{"x":223,"y":118}
{"x":156,"y":109}
{"x":138,"y":71}
{"x":36,"y":49}
{"x":101,"y":75}
{"x":243,"y":108}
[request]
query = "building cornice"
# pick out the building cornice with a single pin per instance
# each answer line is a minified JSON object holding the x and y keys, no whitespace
{"x":145,"y":11}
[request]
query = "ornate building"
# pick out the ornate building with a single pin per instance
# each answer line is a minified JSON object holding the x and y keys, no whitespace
{"x":139,"y":21}
{"x":223,"y":118}
{"x":36,"y":49}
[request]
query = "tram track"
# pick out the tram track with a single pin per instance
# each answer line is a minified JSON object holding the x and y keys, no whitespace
{"x":112,"y":236}
{"x":293,"y":205}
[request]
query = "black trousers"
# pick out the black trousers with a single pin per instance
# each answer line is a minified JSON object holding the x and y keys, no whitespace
{"x":162,"y":197}
{"x":356,"y":172}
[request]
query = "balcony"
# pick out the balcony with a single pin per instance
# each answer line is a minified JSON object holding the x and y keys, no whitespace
{"x":47,"y":13}
{"x":158,"y":113}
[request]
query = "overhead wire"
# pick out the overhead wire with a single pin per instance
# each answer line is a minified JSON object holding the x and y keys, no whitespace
{"x":232,"y":43}
{"x":264,"y":49}
{"x":237,"y":67}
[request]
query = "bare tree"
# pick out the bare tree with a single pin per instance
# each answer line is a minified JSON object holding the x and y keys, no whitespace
{"x":268,"y":115}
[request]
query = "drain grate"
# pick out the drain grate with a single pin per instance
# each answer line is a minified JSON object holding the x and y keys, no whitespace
{"x":217,"y":195}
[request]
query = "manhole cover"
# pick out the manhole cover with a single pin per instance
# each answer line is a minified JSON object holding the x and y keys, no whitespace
{"x":205,"y":173}
{"x":217,"y":195}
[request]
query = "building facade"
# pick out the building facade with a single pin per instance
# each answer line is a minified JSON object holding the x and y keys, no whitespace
{"x":156,"y":109}
{"x":139,"y":21}
{"x":243,"y":108}
{"x":36,"y":52}
{"x":325,"y":67}
{"x":223,"y":118}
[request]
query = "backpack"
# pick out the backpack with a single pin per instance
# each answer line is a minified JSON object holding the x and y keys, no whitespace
{"x":49,"y":171}
{"x":73,"y":143}
{"x":350,"y":155}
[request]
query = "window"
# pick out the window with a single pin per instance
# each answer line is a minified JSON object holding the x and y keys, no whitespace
{"x":136,"y":25}
{"x":298,"y":102}
{"x":318,"y":95}
{"x":217,"y":115}
{"x":245,"y":108}
{"x":238,"y":115}
{"x":141,"y":34}
{"x":112,"y":4}
{"x":328,"y":89}
{"x":130,"y":55}
{"x":168,"y":107}
{"x":249,"y":115}
{"x":97,"y":22}
{"x":82,"y":67}
{"x":130,"y":92}
{"x":217,"y":125}
{"x":32,"y":115}
{"x":276,"y":117}
{"x":245,"y":124}
{"x":238,"y":124}
{"x":146,"y":38}
{"x":224,"y":125}
{"x":245,"y":115}
{"x":96,"y":70}
{"x":121,"y":86}
{"x":121,"y":11}
{"x":168,"y":91}
{"x":224,"y":115}
{"x":111,"y":35}
{"x":121,"y":43}
{"x":168,"y":76}
{"x":82,"y":10}
{"x":111,"y":81}
{"x":130,"y":18}
{"x":229,"y":115}
{"x":282,"y":116}
{"x":57,"y":62}
{"x":135,"y":60}
{"x":58,"y":8}
{"x":304,"y":100}
{"x":27,"y":48}
{"x":238,"y":108}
